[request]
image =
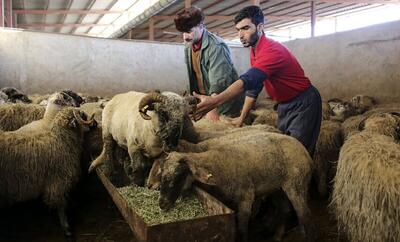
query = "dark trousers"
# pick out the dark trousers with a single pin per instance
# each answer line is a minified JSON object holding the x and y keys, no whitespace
{"x":301,"y":118}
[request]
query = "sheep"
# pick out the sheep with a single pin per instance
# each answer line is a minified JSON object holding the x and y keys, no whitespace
{"x":326,"y":111}
{"x":362,"y":103}
{"x":367,"y":184}
{"x":240,"y":168}
{"x":15,"y":115}
{"x":125,"y":122}
{"x":350,"y":125}
{"x":154,"y":179}
{"x":43,"y":164}
{"x":56,"y":102}
{"x":95,"y":108}
{"x":264,"y":116}
{"x":3,"y":97}
{"x":14,"y":95}
{"x":39,"y":99}
{"x":327,"y":150}
{"x":341,"y":111}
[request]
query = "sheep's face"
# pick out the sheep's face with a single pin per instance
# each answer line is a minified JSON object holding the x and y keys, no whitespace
{"x":361,"y":103}
{"x":174,"y":179}
{"x":73,"y":120}
{"x":383,"y":123}
{"x":62,"y":99}
{"x":339,"y":110}
{"x":171,"y":115}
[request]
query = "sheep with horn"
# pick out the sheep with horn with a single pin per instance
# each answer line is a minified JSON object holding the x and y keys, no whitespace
{"x":146,"y":125}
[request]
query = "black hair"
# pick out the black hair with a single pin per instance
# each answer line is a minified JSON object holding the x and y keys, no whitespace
{"x":252,"y":12}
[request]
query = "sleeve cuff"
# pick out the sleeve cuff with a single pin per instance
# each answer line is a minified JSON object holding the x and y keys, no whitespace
{"x":253,"y":79}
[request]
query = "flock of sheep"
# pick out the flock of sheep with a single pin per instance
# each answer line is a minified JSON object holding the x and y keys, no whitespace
{"x":149,"y":139}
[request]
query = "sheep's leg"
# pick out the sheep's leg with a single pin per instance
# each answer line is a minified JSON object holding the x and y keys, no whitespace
{"x":320,"y":174}
{"x":284,"y":208}
{"x":135,"y":168}
{"x":297,"y":195}
{"x":64,"y":221}
{"x":244,"y":213}
{"x":106,"y":153}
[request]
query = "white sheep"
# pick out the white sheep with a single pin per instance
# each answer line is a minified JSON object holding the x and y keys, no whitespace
{"x":145,"y":125}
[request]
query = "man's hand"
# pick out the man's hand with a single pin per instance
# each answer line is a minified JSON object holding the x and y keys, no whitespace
{"x":206,"y":104}
{"x":238,"y":122}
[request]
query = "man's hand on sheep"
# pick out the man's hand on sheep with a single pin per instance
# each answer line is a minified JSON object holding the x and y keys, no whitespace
{"x":206,"y":104}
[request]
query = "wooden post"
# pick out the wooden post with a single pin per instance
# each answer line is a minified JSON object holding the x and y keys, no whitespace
{"x":151,"y":29}
{"x":188,"y":3}
{"x":313,"y":18}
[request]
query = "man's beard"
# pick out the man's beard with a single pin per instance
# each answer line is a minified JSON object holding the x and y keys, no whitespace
{"x":252,"y":41}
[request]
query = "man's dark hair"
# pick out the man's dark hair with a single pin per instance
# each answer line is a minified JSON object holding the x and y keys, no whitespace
{"x":188,"y":18}
{"x":252,"y":12}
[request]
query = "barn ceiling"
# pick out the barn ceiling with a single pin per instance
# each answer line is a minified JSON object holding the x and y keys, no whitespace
{"x":153,"y":19}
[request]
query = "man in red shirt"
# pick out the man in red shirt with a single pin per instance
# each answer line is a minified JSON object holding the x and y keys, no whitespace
{"x":276,"y":69}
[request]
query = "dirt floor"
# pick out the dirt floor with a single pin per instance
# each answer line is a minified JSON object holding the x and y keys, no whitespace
{"x":94,"y":217}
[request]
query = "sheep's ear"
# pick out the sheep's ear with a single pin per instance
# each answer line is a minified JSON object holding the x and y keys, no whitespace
{"x":73,"y":123}
{"x":201,"y":174}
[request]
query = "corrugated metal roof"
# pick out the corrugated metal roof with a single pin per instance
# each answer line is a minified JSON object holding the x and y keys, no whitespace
{"x":93,"y":17}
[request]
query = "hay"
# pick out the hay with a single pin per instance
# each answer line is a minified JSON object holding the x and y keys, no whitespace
{"x":145,"y":203}
{"x":366,"y":195}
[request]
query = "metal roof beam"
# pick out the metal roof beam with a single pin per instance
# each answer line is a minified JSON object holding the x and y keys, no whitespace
{"x":231,"y":17}
{"x":40,"y":25}
{"x":67,"y":11}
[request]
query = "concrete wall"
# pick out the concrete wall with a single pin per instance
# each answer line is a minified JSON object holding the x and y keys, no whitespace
{"x":43,"y":63}
{"x":342,"y":65}
{"x":365,"y":61}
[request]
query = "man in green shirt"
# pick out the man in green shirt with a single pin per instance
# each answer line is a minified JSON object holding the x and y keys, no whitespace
{"x":208,"y":60}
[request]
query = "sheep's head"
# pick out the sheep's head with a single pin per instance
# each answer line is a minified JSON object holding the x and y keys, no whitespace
{"x":383,"y":123}
{"x":62,"y":99}
{"x":170,"y":112}
{"x":76,"y":99}
{"x":73,"y":119}
{"x":174,"y":175}
{"x":362,"y":103}
{"x":14,"y":95}
{"x":343,"y":110}
{"x":177,"y":175}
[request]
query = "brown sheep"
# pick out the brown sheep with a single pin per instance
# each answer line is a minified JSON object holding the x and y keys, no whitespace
{"x":14,"y":116}
{"x":362,"y":103}
{"x":367,"y":184}
{"x":43,"y":164}
{"x":327,"y":150}
{"x":240,"y":168}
